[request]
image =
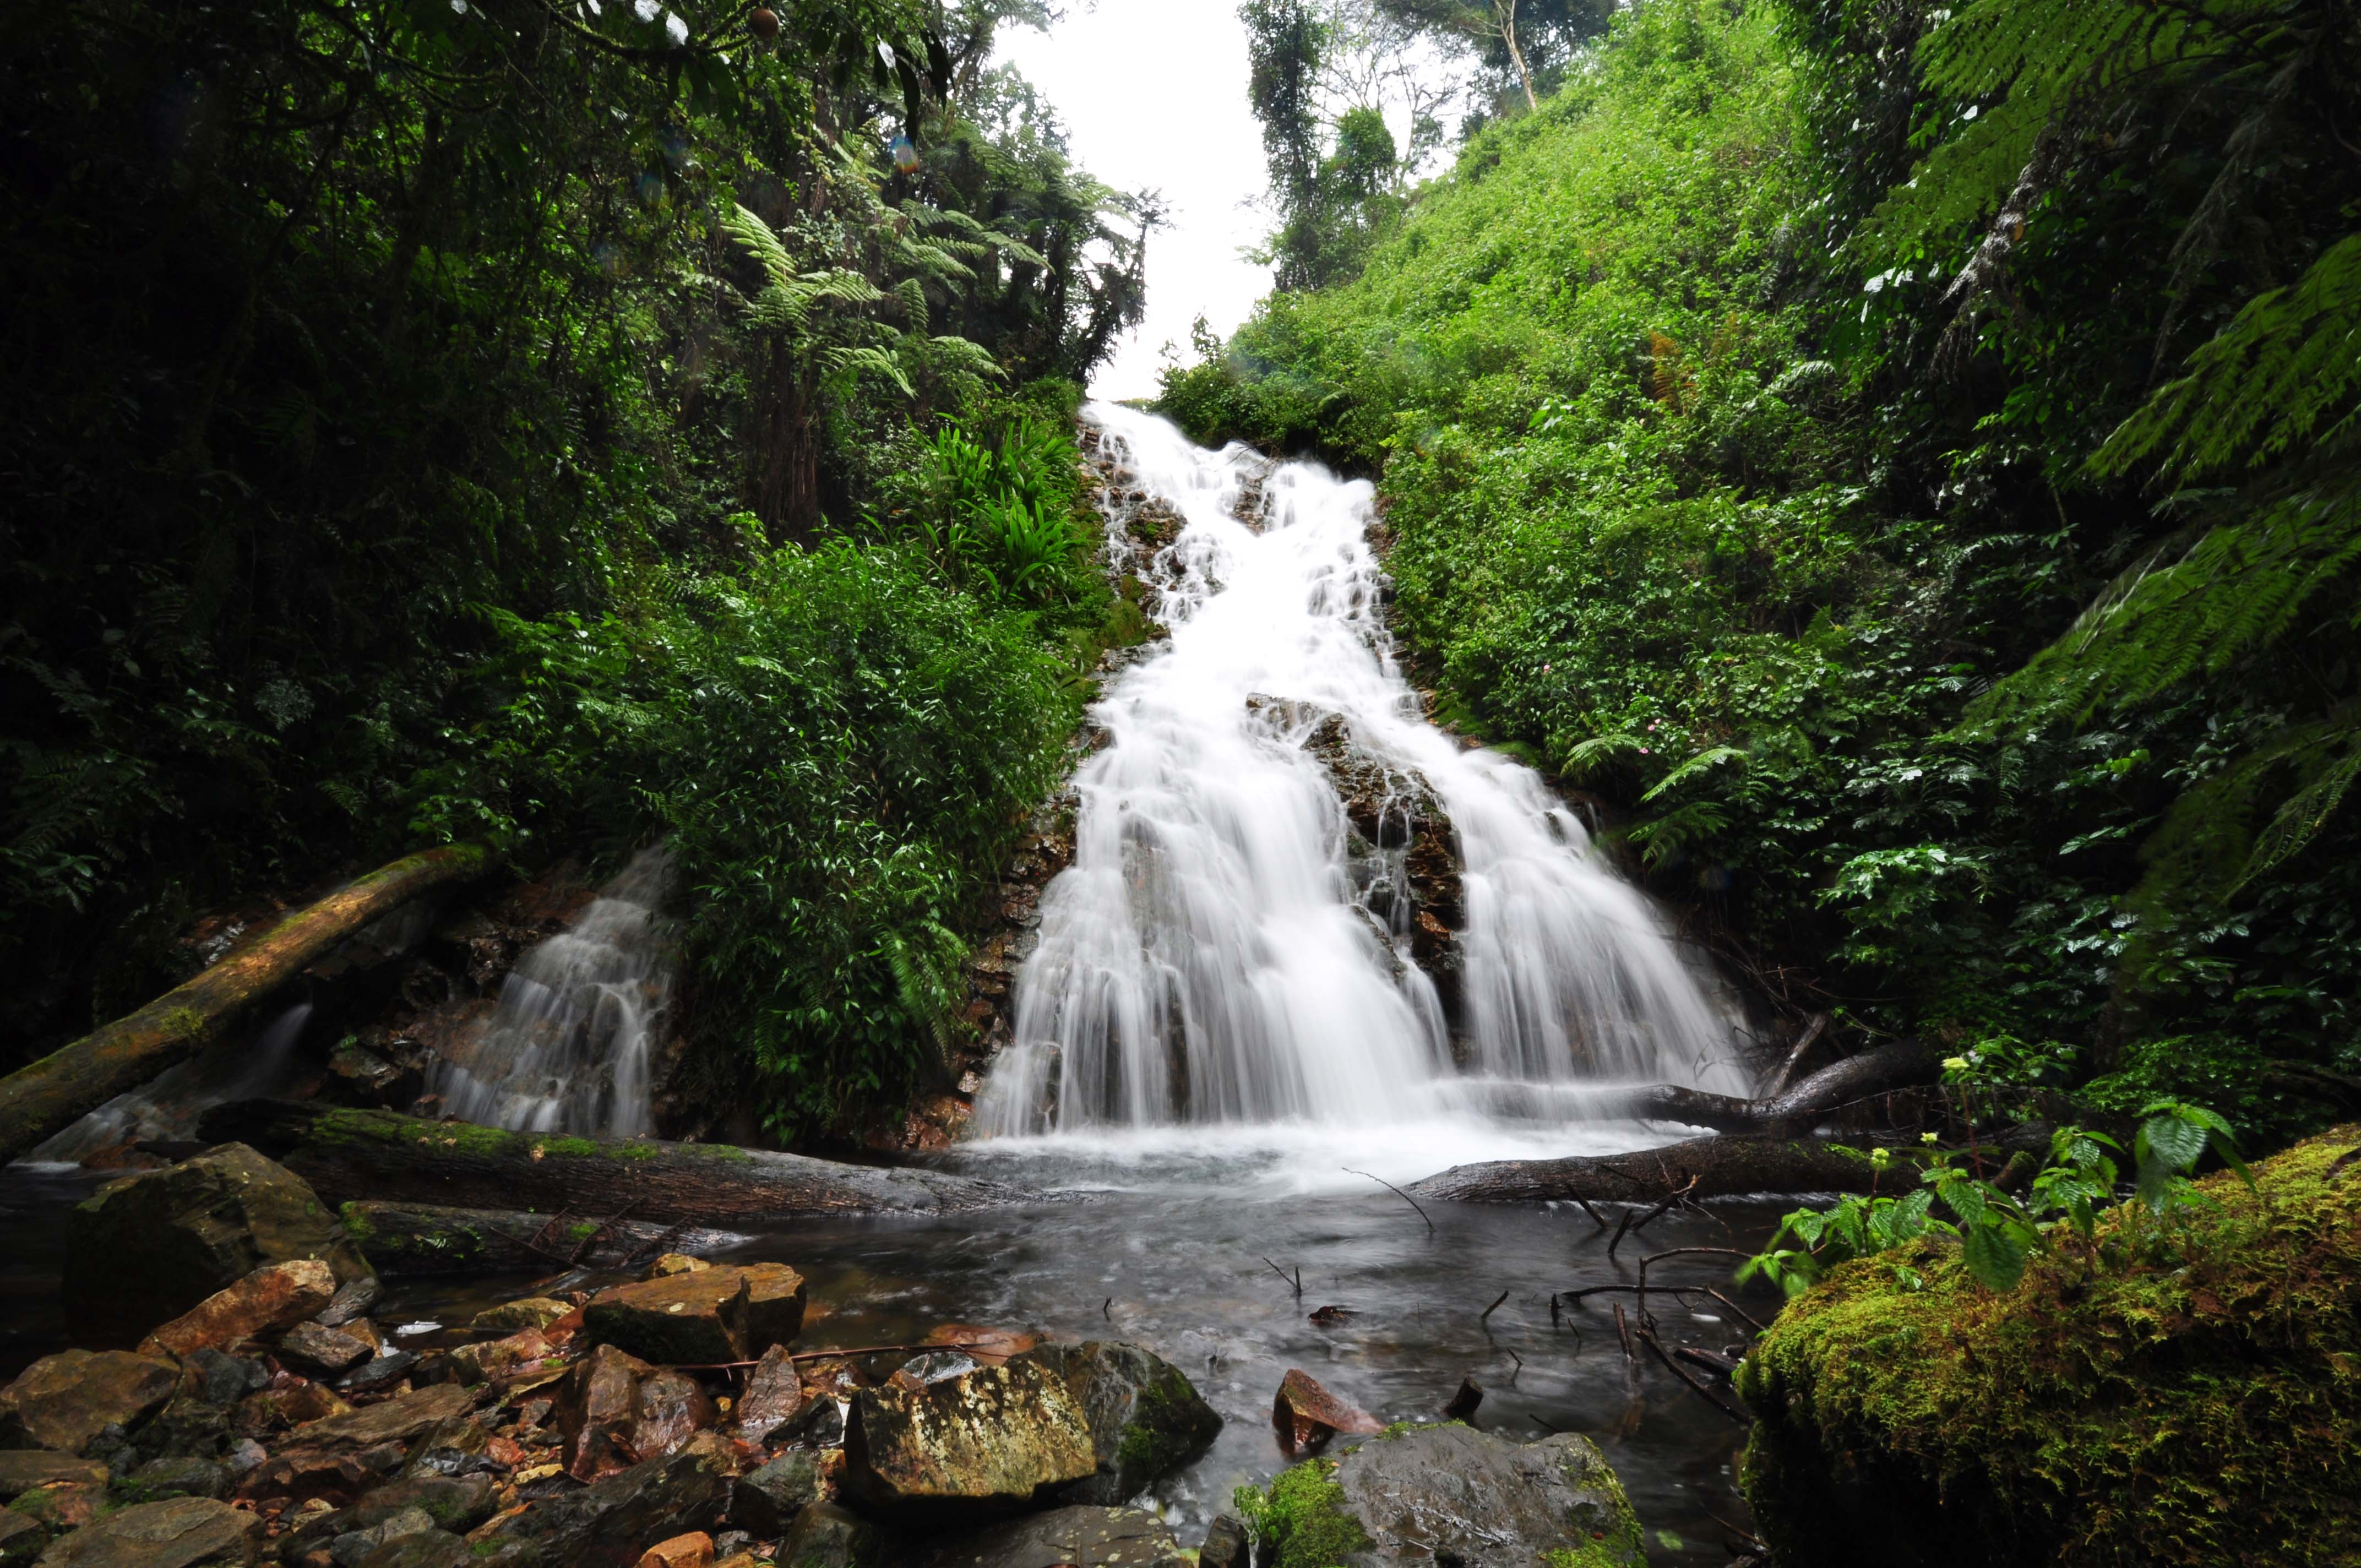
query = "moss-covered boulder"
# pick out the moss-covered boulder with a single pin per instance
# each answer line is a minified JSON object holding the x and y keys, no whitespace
{"x":1145,"y":1419}
{"x":1447,"y":1493}
{"x":2195,"y":1403}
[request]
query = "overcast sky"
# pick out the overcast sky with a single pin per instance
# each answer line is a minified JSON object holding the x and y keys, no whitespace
{"x":1153,"y":94}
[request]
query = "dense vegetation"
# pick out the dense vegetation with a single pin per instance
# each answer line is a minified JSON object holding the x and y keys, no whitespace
{"x":1902,"y":457}
{"x":552,"y":426}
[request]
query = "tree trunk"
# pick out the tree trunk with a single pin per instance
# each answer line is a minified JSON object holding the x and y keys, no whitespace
{"x":1722,"y":1167}
{"x":787,"y":477}
{"x":1896,"y":1066}
{"x":53,"y":1093}
{"x":349,"y":1155}
{"x":1506,"y":10}
{"x":416,"y":1238}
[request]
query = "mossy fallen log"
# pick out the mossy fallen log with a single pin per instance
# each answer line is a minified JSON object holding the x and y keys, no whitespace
{"x":1897,"y":1065}
{"x":421,"y":1238}
{"x":40,"y":1098}
{"x":348,"y":1155}
{"x":2171,"y":1398}
{"x":1720,"y":1167}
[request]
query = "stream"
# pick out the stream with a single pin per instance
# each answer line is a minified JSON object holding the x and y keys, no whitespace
{"x":1251,"y":1006}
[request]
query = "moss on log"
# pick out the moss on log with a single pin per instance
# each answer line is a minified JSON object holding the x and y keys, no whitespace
{"x":2197,"y":1402}
{"x":349,"y":1155}
{"x":40,"y":1098}
{"x":420,"y":1238}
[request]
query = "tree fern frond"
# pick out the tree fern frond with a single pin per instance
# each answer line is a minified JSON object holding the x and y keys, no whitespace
{"x":749,"y":230}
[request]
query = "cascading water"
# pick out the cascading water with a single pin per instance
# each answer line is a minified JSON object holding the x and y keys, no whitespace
{"x":167,"y":1109}
{"x":1230,"y":943}
{"x":567,"y":1048}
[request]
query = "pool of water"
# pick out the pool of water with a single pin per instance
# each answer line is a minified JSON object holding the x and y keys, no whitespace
{"x":1179,"y":1241}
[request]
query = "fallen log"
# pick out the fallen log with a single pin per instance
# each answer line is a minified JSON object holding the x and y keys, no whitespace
{"x":419,"y":1238}
{"x":348,"y":1155}
{"x":1720,"y":1168}
{"x":41,"y":1099}
{"x":1896,"y":1065}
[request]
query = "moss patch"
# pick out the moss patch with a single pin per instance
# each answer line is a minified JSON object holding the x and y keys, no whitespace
{"x":2200,"y":1407}
{"x":1302,"y":1519}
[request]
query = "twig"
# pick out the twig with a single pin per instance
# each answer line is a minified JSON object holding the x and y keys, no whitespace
{"x":1707,"y":1395}
{"x":1107,"y":1311}
{"x":1726,"y":1301}
{"x":1740,"y":1529}
{"x":1520,"y":1372}
{"x":1619,"y":1233}
{"x":1623,"y":1330}
{"x":1493,"y":1308}
{"x":1641,"y":1224}
{"x":1397,"y":1192}
{"x":1297,"y":1281}
{"x":1591,"y":1211}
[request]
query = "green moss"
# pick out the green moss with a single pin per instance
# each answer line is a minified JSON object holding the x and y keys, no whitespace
{"x":719,"y":1151}
{"x":358,"y":1225}
{"x":637,"y":1151}
{"x":2190,"y":1404}
{"x":182,"y":1021}
{"x":583,"y":1231}
{"x":1301,"y":1520}
{"x":566,"y":1148}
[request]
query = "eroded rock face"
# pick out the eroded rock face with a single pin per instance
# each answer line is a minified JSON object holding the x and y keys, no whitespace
{"x":1451,"y":1494}
{"x":702,"y":1317}
{"x":150,"y":1247}
{"x":989,"y":1443}
{"x":64,"y":1401}
{"x":1104,"y":1537}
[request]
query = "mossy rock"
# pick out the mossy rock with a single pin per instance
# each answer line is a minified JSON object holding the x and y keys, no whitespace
{"x":2196,"y":1405}
{"x":1435,"y":1494}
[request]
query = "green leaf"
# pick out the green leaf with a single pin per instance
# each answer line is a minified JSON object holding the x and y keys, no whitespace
{"x":1995,"y":1256}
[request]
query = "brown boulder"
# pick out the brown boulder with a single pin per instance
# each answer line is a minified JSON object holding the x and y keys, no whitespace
{"x":615,"y":1410}
{"x":148,"y":1247}
{"x":179,"y":1532}
{"x":63,"y":1401}
{"x":702,"y":1317}
{"x":531,"y":1313}
{"x":499,"y":1357}
{"x":272,"y":1297}
{"x":24,"y":1470}
{"x":1306,"y":1416}
{"x":316,"y":1348}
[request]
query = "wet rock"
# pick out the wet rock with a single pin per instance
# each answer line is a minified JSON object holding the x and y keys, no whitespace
{"x":351,"y":1303}
{"x":380,"y":1371}
{"x":66,"y":1401}
{"x":427,"y":1549}
{"x":702,"y":1317}
{"x":275,"y":1296}
{"x":348,"y":1549}
{"x":772,"y":1398}
{"x":1452,"y":1494}
{"x":989,"y":1346}
{"x":511,"y":1317}
{"x":24,"y":1470}
{"x":1104,"y":1537}
{"x":64,"y":1507}
{"x":243,"y":1457}
{"x":501,"y":1357}
{"x":610,"y":1522}
{"x":1226,"y":1545}
{"x":181,"y":1532}
{"x":360,"y":1076}
{"x":614,"y":1410}
{"x":318,"y":1349}
{"x":178,"y":1475}
{"x":398,"y":1419}
{"x":217,"y":1378}
{"x":673,"y":1263}
{"x":767,"y":1501}
{"x":694,"y":1550}
{"x":997,"y":1440}
{"x":453,"y":1504}
{"x":1144,"y":1417}
{"x":460,"y":1446}
{"x":1305,"y":1416}
{"x":20,"y":1539}
{"x":827,"y":1536}
{"x":150,"y":1247}
{"x":338,"y":1457}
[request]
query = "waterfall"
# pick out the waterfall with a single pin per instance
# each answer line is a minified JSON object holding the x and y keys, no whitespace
{"x":1294,"y":898}
{"x":567,"y":1048}
{"x":166,"y":1109}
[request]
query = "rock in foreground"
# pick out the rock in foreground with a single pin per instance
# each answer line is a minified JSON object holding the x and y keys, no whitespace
{"x":1103,"y":1538}
{"x":2192,"y":1405}
{"x":147,"y":1248}
{"x":1450,"y":1494}
{"x":64,"y":1401}
{"x":182,"y":1532}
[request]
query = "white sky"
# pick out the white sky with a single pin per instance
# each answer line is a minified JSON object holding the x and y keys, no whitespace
{"x":1153,"y":96}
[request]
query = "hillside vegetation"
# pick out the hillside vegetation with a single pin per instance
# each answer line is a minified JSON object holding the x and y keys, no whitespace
{"x":1902,"y":457}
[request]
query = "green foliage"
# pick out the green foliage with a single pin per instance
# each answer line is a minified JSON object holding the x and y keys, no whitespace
{"x":2094,"y":1416}
{"x":1897,"y":456}
{"x":836,"y":748}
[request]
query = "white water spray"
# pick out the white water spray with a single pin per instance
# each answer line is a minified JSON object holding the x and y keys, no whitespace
{"x":1204,"y":960}
{"x":568,"y":1050}
{"x":166,"y":1111}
